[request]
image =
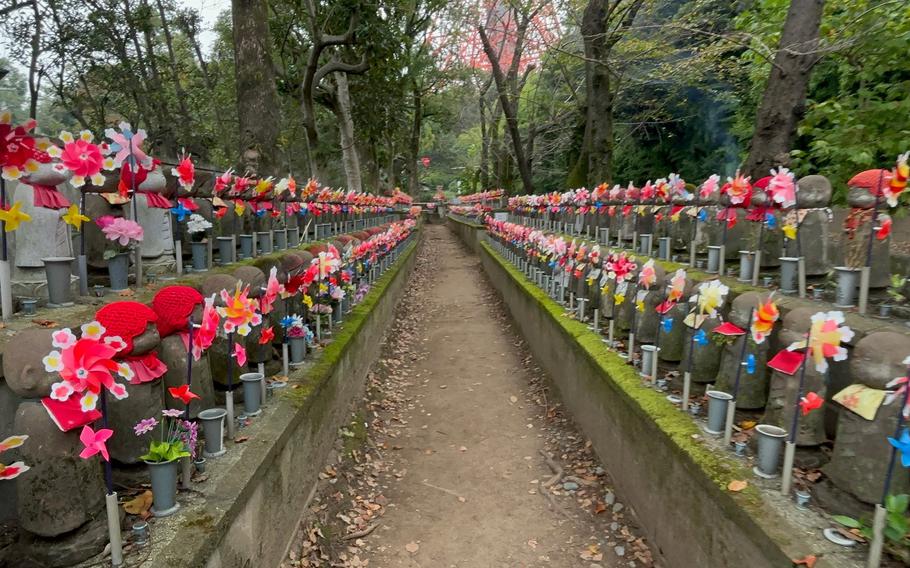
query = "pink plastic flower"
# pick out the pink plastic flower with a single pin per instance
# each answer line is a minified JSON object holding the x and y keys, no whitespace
{"x":240,"y":354}
{"x":94,"y":442}
{"x":104,"y":221}
{"x":204,"y":336}
{"x":123,"y":231}
{"x":647,"y":276}
{"x":272,"y":289}
{"x":239,"y":311}
{"x":709,"y":187}
{"x":145,"y":426}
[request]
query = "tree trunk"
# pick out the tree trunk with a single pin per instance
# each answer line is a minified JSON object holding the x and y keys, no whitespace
{"x":349,"y":156}
{"x":414,"y":146}
{"x":484,"y":144}
{"x":509,"y":111}
{"x":784,"y":99}
{"x":257,"y":99}
{"x":175,"y":71}
{"x":34,"y":78}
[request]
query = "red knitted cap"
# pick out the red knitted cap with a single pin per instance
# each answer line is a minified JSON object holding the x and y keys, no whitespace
{"x":126,"y":320}
{"x":173,"y":305}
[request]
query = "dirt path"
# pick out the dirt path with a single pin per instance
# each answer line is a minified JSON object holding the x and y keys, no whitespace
{"x":453,"y":472}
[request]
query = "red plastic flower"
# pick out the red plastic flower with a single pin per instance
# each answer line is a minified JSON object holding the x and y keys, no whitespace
{"x":810,"y":402}
{"x":272,"y":289}
{"x":83,"y":158}
{"x":739,"y":190}
{"x":185,"y":172}
{"x":267,"y":335}
{"x":208,"y":329}
{"x":182,"y":393}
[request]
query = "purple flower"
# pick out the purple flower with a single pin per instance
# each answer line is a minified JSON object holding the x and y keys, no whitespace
{"x":172,"y":413}
{"x":189,"y":434}
{"x":145,"y":426}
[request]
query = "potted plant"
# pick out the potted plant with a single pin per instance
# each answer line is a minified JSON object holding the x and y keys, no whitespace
{"x":855,"y":252}
{"x":196,"y":227}
{"x":163,"y":457}
{"x":123,"y":235}
{"x":897,"y":292}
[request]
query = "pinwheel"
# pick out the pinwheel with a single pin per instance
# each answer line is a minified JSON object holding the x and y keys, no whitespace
{"x":86,"y":365}
{"x":95,"y":442}
{"x":185,"y":172}
{"x":763,"y":319}
{"x":810,"y":402}
{"x":18,"y":149}
{"x":74,"y":217}
{"x":709,"y":187}
{"x":239,"y":311}
{"x":782,"y":188}
{"x":272,"y":290}
{"x":82,"y":157}
{"x":208,"y":329}
{"x":647,"y":276}
{"x":12,"y":216}
{"x":223,"y":181}
{"x":710,"y":297}
{"x":127,"y":147}
{"x":898,"y":182}
{"x":182,"y":393}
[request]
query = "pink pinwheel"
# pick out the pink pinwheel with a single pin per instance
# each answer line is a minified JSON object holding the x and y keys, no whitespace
{"x":123,"y":231}
{"x":185,"y":172}
{"x":84,"y":159}
{"x":86,"y":365}
{"x":240,"y":354}
{"x":825,"y":337}
{"x":677,"y":286}
{"x":327,"y":262}
{"x":620,"y":267}
{"x":272,"y":289}
{"x":208,"y":329}
{"x":782,"y":188}
{"x":223,"y":181}
{"x":94,"y":442}
{"x":647,"y":276}
{"x":709,"y":187}
{"x":810,"y":402}
{"x":14,"y":469}
{"x":239,"y":311}
{"x":127,"y":146}
{"x":18,"y":149}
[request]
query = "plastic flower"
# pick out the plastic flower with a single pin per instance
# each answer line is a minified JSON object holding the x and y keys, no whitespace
{"x":145,"y":426}
{"x":272,"y":290}
{"x":898,"y":182}
{"x":239,"y":311}
{"x":172,"y":412}
{"x":180,"y":211}
{"x":267,"y":335}
{"x":17,"y":148}
{"x":13,"y":215}
{"x":240,"y":354}
{"x":15,"y":469}
{"x":204,"y":336}
{"x":123,"y":231}
{"x":903,"y":446}
{"x":182,"y":393}
{"x":782,"y":188}
{"x":84,"y":159}
{"x":711,"y":297}
{"x":185,"y":172}
{"x":647,"y":276}
{"x":94,"y":442}
{"x":620,"y":267}
{"x":223,"y":181}
{"x":763,"y":319}
{"x":291,"y":321}
{"x":197,"y":224}
{"x":677,"y":286}
{"x":709,"y":187}
{"x":810,"y":402}
{"x":74,"y":217}
{"x":738,"y":189}
{"x":825,"y":337}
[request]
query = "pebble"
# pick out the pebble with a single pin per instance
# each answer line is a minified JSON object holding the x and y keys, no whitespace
{"x":570,"y":486}
{"x":614,"y":527}
{"x":609,"y":498}
{"x":618,"y":507}
{"x":619,"y":550}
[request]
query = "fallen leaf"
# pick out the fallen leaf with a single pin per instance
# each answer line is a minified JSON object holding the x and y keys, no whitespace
{"x":599,"y":508}
{"x":412,"y":547}
{"x":737,"y":485}
{"x":808,"y":561}
{"x":139,"y":504}
{"x":747,"y":424}
{"x":44,"y":323}
{"x":126,"y":293}
{"x":241,"y":439}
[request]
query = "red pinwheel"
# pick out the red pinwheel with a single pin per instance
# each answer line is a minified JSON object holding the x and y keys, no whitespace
{"x":94,"y":442}
{"x":267,"y":335}
{"x":182,"y":393}
{"x":810,"y":402}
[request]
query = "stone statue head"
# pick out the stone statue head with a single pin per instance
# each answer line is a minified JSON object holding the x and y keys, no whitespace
{"x":22,"y":363}
{"x":813,"y":191}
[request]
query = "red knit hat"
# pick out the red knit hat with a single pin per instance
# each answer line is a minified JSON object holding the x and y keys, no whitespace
{"x":126,"y":320}
{"x":174,"y":305}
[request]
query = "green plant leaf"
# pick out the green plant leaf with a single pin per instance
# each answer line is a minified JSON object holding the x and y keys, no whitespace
{"x":847,"y":521}
{"x":897,"y":503}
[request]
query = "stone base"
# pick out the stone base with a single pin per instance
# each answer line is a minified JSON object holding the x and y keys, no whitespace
{"x":35,"y":286}
{"x":76,"y":546}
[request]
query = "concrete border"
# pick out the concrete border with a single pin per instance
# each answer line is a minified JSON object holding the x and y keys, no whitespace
{"x":250,"y":511}
{"x":676,"y":485}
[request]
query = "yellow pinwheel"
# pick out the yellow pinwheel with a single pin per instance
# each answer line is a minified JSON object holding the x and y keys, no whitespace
{"x":13,"y":216}
{"x":74,"y":217}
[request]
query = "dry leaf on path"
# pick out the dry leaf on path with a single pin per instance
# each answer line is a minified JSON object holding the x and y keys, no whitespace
{"x":808,"y":561}
{"x":241,"y":439}
{"x":737,"y":485}
{"x":126,"y":293}
{"x":412,"y":547}
{"x":139,"y":504}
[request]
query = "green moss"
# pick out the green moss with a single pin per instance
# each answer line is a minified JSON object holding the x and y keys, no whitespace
{"x":202,"y":521}
{"x":678,"y":427}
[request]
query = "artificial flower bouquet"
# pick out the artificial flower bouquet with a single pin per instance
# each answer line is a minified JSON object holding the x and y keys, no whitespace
{"x":177,"y":439}
{"x":122,"y":234}
{"x":197,"y":226}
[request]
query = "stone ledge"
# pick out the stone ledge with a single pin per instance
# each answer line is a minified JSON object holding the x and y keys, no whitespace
{"x":250,"y":507}
{"x":675,"y":482}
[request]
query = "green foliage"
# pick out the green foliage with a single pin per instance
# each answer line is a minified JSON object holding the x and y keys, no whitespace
{"x":160,"y":452}
{"x":897,"y":525}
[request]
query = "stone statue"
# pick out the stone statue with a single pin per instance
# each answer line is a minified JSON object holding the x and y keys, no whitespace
{"x":813,"y":218}
{"x":753,"y":388}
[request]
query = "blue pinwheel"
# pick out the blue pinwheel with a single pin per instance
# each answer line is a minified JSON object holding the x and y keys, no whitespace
{"x":703,"y":215}
{"x":260,"y":213}
{"x":180,"y":212}
{"x":770,"y":220}
{"x":903,"y":446}
{"x":701,"y":338}
{"x":750,"y":364}
{"x":667,"y":324}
